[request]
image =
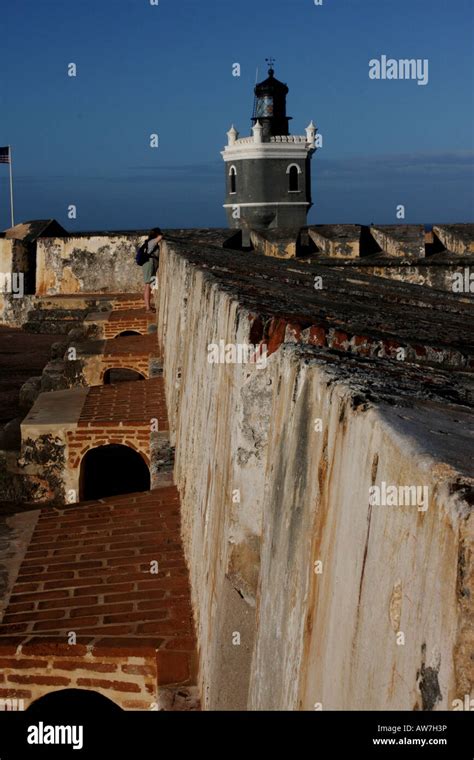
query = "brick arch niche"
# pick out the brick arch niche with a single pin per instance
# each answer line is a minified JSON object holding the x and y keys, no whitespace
{"x":110,"y":470}
{"x":63,"y":701}
{"x":121,"y":374}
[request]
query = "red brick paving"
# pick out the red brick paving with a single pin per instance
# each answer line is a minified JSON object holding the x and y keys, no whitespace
{"x":123,"y":320}
{"x":126,"y":404}
{"x":87,"y":569}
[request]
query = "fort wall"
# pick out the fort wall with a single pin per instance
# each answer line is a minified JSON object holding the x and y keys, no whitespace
{"x":88,"y":263}
{"x":337,"y":603}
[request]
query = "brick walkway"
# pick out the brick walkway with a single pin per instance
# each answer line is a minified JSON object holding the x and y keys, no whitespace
{"x":89,"y":570}
{"x":102,"y":598}
{"x":125,"y":404}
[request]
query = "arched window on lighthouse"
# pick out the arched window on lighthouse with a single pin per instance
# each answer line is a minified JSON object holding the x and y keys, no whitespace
{"x":233,"y":179}
{"x":293,"y":172}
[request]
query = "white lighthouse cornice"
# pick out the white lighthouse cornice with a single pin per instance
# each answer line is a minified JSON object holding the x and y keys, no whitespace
{"x":284,"y":146}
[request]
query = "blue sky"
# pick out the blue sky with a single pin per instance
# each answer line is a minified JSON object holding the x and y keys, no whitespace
{"x":167,"y":69}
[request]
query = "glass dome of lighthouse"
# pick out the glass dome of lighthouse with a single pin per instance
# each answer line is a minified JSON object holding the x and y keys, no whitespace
{"x":270,"y":105}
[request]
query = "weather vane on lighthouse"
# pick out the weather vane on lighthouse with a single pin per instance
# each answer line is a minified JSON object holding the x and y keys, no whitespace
{"x":270,"y":63}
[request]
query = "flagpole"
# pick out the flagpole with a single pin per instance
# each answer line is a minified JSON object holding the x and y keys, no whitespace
{"x":11,"y":186}
{"x":255,"y":98}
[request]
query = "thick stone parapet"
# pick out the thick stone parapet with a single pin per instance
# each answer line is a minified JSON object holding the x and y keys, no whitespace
{"x":306,"y":589}
{"x":281,"y":244}
{"x":337,"y":240}
{"x":458,"y":238}
{"x":341,"y":309}
{"x":219,"y":416}
{"x":400,"y":239}
{"x":348,"y":605}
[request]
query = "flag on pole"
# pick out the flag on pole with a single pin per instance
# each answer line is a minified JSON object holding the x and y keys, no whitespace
{"x":5,"y":155}
{"x":6,"y":158}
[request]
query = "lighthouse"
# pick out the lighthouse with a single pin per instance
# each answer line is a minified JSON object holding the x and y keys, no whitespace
{"x":268,"y":174}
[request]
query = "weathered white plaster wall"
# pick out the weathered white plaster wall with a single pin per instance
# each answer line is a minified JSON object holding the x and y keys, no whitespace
{"x":95,"y":264}
{"x":6,"y":255}
{"x":219,"y":465}
{"x":329,"y":638}
{"x":311,"y":639}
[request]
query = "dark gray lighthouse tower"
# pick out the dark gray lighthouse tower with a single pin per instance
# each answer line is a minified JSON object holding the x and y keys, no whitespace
{"x":268,"y":175}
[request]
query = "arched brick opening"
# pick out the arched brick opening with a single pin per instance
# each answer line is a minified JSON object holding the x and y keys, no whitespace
{"x":125,"y":333}
{"x":112,"y":470}
{"x":114,"y":375}
{"x":64,"y":701}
